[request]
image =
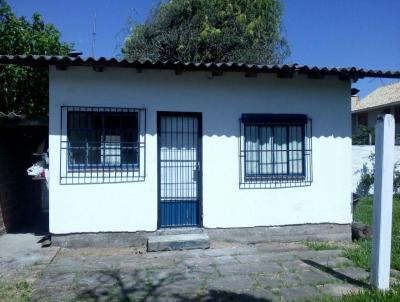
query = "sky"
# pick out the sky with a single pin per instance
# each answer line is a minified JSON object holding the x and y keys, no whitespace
{"x":333,"y":33}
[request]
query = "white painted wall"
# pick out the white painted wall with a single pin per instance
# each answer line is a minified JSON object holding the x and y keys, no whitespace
{"x":222,"y":100}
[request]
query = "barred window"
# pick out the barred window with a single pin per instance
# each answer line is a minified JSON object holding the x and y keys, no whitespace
{"x":102,"y":144}
{"x":108,"y":139}
{"x":275,"y":151}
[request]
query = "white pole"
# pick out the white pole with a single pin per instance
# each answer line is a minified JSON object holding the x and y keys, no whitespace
{"x":383,"y":201}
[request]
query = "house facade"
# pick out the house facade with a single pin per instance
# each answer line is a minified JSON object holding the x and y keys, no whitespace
{"x":138,"y":151}
{"x":146,"y":146}
{"x":384,"y":100}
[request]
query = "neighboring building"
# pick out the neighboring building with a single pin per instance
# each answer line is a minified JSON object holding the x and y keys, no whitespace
{"x":385,"y":99}
{"x":139,"y":146}
{"x":20,"y":196}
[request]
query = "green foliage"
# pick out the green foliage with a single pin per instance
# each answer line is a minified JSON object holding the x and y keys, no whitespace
{"x":362,"y":136}
{"x":25,"y":89}
{"x":17,"y":291}
{"x":367,"y":177}
{"x":361,"y":254}
{"x":366,"y":181}
{"x":366,"y":296}
{"x":247,"y":31}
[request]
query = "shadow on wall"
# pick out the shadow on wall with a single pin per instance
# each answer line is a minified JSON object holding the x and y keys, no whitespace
{"x":221,"y":99}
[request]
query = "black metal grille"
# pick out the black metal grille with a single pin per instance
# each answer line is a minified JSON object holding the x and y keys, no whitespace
{"x":275,"y":151}
{"x":102,"y":145}
{"x":179,"y":143}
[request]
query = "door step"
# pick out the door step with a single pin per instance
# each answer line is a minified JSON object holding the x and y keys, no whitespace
{"x":159,"y":243}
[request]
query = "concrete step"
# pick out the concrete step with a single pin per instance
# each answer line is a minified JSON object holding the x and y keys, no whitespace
{"x":179,"y":231}
{"x":159,"y":243}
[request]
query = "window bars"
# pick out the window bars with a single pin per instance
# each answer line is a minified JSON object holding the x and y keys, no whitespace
{"x":102,"y":145}
{"x":275,"y":151}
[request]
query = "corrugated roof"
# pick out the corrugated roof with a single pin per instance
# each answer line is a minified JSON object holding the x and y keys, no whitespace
{"x":313,"y":71}
{"x":383,"y":96}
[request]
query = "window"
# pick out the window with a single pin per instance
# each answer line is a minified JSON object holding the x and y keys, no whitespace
{"x":397,"y":115}
{"x":362,"y":119}
{"x":275,"y":149}
{"x":102,"y":144}
{"x":386,"y":111}
{"x":107,"y":139}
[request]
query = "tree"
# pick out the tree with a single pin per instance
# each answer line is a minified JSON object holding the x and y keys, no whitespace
{"x":25,"y":89}
{"x":247,"y":31}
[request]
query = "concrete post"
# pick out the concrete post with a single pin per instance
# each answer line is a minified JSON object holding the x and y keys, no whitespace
{"x":383,"y":201}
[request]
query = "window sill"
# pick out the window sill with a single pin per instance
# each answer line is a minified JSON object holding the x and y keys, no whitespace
{"x":274,"y":178}
{"x":102,"y":170}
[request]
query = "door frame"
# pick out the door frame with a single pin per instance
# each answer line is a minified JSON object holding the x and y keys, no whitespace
{"x":199,"y":117}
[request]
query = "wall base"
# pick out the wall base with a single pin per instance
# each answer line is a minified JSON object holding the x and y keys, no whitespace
{"x":289,"y":233}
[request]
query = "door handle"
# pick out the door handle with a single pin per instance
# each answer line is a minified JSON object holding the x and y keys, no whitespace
{"x":196,"y":172}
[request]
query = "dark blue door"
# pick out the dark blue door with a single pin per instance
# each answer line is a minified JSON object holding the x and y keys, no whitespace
{"x":179,"y":169}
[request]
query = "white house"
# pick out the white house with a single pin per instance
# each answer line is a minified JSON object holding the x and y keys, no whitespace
{"x":141,"y":146}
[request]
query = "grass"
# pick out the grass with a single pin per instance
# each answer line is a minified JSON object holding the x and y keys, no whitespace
{"x":368,"y":295}
{"x":19,"y":291}
{"x":361,"y":253}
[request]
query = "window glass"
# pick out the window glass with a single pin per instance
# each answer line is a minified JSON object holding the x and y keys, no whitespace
{"x":274,"y":150}
{"x":103,"y":138}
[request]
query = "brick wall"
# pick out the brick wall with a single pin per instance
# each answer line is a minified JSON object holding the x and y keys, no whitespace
{"x":19,"y":194}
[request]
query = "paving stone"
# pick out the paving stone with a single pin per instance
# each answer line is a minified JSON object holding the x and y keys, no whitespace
{"x":231,"y":251}
{"x":275,"y":247}
{"x":315,"y":277}
{"x":287,"y":279}
{"x":279,"y":257}
{"x":338,"y":289}
{"x":269,"y":281}
{"x":220,"y":260}
{"x":299,"y":293}
{"x":249,"y":268}
{"x":232,"y":283}
{"x":340,"y":262}
{"x":265,"y":271}
{"x":53,"y":294}
{"x":54,"y":279}
{"x":295,"y":265}
{"x":354,"y":273}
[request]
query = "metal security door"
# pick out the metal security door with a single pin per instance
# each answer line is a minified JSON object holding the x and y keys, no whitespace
{"x":179,"y":169}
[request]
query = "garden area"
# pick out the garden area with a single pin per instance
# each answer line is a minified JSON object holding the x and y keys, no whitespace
{"x":360,"y":253}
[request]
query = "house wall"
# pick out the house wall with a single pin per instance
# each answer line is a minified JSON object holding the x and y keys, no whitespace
{"x":221,"y":100}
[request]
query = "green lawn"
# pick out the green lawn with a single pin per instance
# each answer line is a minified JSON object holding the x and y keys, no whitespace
{"x":361,"y":254}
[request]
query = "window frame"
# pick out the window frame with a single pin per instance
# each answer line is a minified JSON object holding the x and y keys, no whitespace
{"x":275,"y":176}
{"x":270,"y":179}
{"x":72,"y":167}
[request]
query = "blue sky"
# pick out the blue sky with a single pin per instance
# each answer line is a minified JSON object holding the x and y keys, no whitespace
{"x":362,"y":33}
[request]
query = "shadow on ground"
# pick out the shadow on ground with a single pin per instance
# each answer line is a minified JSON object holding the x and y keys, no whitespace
{"x":116,"y":285}
{"x":336,"y":274}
